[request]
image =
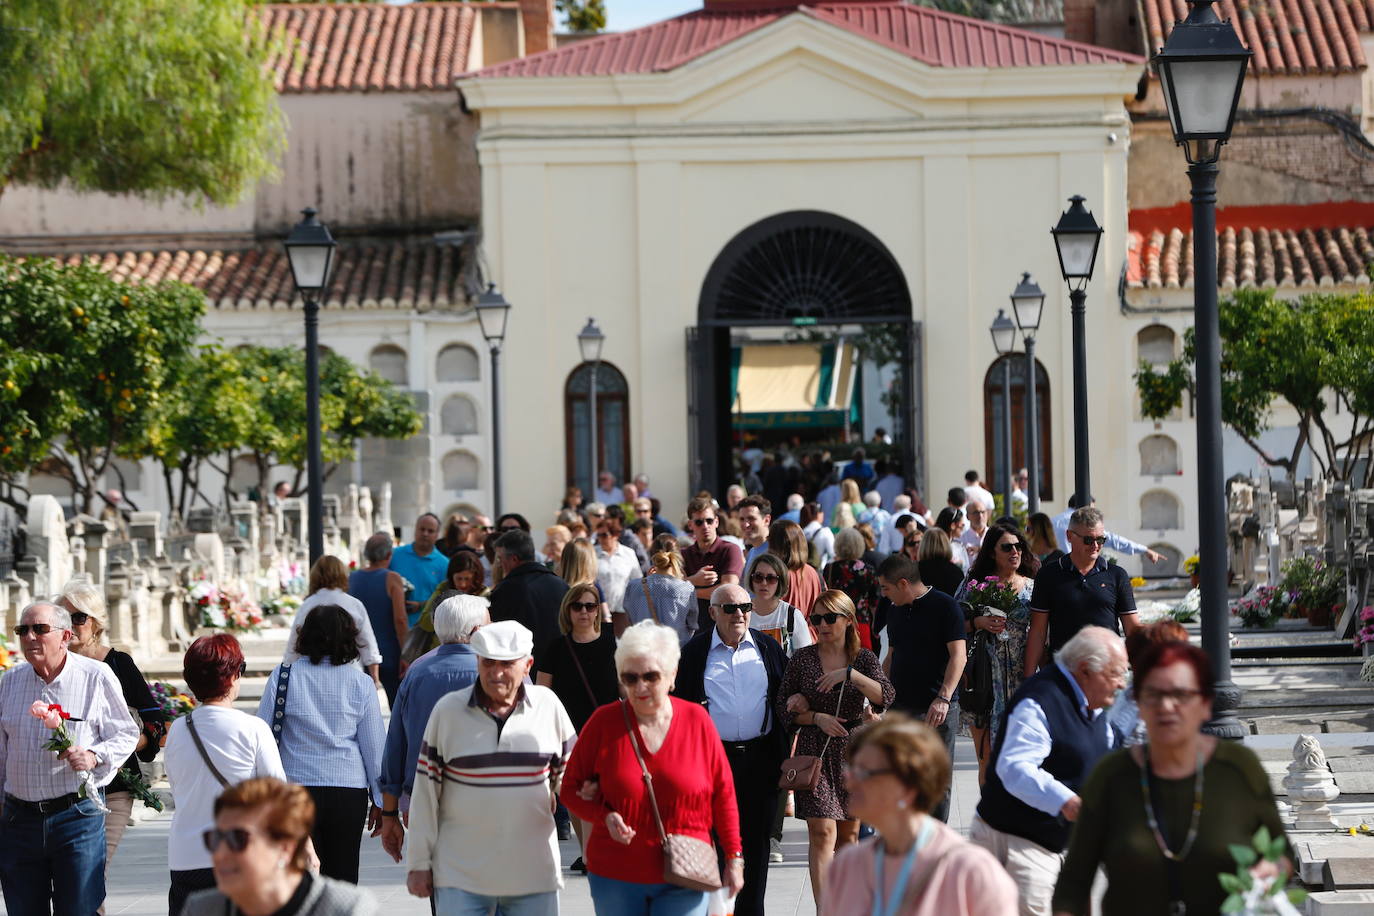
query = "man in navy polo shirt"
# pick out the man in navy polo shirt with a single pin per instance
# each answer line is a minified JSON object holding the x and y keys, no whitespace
{"x":1077,"y":590}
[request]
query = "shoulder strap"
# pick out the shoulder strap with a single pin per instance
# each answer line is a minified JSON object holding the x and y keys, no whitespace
{"x":916,"y":888}
{"x":649,"y":599}
{"x":648,"y":780}
{"x":572,"y":650}
{"x":279,"y":707}
{"x":200,"y":746}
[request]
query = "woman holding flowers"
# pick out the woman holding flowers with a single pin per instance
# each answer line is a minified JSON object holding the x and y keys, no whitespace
{"x":996,"y":600}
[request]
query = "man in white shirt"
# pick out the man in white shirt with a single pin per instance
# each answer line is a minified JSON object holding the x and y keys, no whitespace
{"x":606,"y":491}
{"x":1020,"y":502}
{"x":972,"y":536}
{"x":616,"y":567}
{"x":52,"y":835}
{"x":974,"y":489}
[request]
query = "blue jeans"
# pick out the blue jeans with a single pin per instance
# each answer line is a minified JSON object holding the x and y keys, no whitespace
{"x":451,"y":901}
{"x":626,"y":898}
{"x":55,"y":860}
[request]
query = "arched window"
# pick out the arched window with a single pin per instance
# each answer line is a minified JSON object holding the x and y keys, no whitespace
{"x":1155,"y":344}
{"x":461,"y":471}
{"x":458,"y":416}
{"x":993,"y":422}
{"x":612,"y":423}
{"x":457,"y":363}
{"x":1159,"y":456}
{"x":1160,"y":511}
{"x":389,"y":361}
{"x":1169,"y":566}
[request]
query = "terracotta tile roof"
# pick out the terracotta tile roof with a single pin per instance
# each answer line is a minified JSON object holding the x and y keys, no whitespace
{"x":1287,"y":36}
{"x":1264,"y":247}
{"x":389,"y":275}
{"x":936,"y":38}
{"x":369,"y":47}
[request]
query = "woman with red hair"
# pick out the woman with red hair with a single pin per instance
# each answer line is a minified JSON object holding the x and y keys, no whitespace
{"x":209,"y":749}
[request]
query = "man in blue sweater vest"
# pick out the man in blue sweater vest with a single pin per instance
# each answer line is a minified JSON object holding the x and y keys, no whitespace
{"x":1053,"y":734}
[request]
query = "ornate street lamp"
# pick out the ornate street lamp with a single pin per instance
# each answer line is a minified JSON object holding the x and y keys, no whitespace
{"x":310,"y":249}
{"x":1201,"y":69}
{"x":492,"y":313}
{"x":589,"y":343}
{"x":1027,"y":304}
{"x":1004,"y":342}
{"x":1076,"y":239}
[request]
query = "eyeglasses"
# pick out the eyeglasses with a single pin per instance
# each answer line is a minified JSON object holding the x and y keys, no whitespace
{"x":860,"y":774}
{"x":766,"y":578}
{"x":79,"y":617}
{"x":39,"y":629}
{"x":1009,"y":548}
{"x":1089,"y":540}
{"x":236,"y":838}
{"x":973,"y":512}
{"x":583,"y":605}
{"x":827,"y":619}
{"x":505,"y":528}
{"x":630,"y":678}
{"x":703,"y":522}
{"x":1149,"y":696}
{"x":731,"y":610}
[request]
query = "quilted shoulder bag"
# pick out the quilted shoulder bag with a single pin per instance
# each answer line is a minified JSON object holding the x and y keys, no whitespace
{"x":802,"y":772}
{"x":687,"y":861}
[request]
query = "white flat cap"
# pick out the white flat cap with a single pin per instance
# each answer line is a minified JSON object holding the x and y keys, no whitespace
{"x":503,"y":641}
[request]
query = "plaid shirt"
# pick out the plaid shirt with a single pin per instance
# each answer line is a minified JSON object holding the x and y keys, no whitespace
{"x":86,"y":689}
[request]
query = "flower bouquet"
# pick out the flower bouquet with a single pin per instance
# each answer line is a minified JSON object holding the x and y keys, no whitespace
{"x":1252,"y":895}
{"x":284,"y":604}
{"x":1366,"y":632}
{"x":54,"y":717}
{"x":224,"y":609}
{"x":1186,"y":611}
{"x":990,"y":598}
{"x":1257,"y":608}
{"x":173,"y":702}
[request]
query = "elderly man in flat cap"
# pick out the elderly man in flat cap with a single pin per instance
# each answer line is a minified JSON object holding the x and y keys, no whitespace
{"x":493,"y":753}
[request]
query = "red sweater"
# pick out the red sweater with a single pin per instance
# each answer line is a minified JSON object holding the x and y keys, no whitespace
{"x":692,"y":782}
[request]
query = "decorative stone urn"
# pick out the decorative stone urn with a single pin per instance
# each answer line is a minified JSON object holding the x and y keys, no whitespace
{"x":1310,"y":786}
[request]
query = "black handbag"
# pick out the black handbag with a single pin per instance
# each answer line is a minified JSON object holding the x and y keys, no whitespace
{"x":975,"y":684}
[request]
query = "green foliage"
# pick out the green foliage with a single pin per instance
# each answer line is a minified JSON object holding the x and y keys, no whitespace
{"x":136,"y":96}
{"x":582,"y":17}
{"x":85,"y":362}
{"x":1316,"y":354}
{"x":1241,"y":886}
{"x":1308,"y":584}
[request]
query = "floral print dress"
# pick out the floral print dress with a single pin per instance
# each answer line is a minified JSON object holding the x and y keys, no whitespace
{"x":1007,"y":674}
{"x":859,"y":581}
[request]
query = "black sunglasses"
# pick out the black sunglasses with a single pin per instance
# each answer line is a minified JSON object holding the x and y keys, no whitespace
{"x":1009,"y":548}
{"x":583,"y":605}
{"x":630,"y":678}
{"x":703,"y":522}
{"x":243,"y":668}
{"x":1090,"y":540}
{"x":763,"y":577}
{"x":827,"y":619}
{"x":236,"y":838}
{"x":505,"y":528}
{"x":79,"y":617}
{"x":731,"y":610}
{"x":39,"y":629}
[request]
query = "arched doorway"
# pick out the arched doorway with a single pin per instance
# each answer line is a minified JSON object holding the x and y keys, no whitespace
{"x":809,"y":270}
{"x":993,"y":413}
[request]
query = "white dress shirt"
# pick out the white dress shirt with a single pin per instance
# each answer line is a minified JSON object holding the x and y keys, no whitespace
{"x":614,"y":572}
{"x":736,"y":688}
{"x":89,"y":692}
{"x":368,"y":653}
{"x":1028,"y":743}
{"x":1114,"y":541}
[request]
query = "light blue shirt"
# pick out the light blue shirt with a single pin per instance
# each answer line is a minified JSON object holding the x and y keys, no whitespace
{"x":450,"y":667}
{"x":749,"y":558}
{"x":879,"y":518}
{"x":1025,"y":747}
{"x":332,"y":734}
{"x":1114,"y":541}
{"x":889,"y":488}
{"x":424,"y":573}
{"x":736,"y":687}
{"x":791,"y":515}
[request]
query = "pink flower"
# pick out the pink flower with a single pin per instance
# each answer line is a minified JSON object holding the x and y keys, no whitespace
{"x":39,"y":709}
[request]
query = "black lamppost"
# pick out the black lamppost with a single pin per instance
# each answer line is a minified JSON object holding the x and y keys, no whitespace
{"x":1076,"y":239}
{"x":1201,"y":69}
{"x":492,"y":311}
{"x":1027,"y":302}
{"x":589,"y":342}
{"x":310,"y":249}
{"x":1004,"y":342}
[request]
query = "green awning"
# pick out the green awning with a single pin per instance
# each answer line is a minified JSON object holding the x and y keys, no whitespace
{"x":793,"y":385}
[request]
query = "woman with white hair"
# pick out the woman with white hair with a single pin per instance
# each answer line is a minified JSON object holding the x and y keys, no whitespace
{"x":86,"y":605}
{"x":676,"y":743}
{"x":452,"y":666}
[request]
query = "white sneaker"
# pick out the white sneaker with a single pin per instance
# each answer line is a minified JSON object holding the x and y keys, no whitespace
{"x":774,"y":851}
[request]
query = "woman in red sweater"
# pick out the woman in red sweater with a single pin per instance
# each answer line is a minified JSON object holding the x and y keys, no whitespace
{"x":691,"y":777}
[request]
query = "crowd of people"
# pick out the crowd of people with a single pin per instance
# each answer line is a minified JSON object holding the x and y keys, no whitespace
{"x":667,"y":694}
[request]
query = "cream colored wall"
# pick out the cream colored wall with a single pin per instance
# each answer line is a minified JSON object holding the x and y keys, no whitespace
{"x":616,"y":209}
{"x":363,"y":160}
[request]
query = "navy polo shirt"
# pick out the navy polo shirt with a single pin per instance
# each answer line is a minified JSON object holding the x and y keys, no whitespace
{"x":1075,"y":601}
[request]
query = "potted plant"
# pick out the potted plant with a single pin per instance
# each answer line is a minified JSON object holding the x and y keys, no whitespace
{"x":1191,"y":567}
{"x":1257,"y":608}
{"x":1313,"y":589}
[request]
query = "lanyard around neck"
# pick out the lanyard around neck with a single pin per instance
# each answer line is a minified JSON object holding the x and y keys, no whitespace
{"x":903,"y":876}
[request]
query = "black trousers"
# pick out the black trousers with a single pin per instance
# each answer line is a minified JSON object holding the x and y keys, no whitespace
{"x":186,"y":883}
{"x":340,"y":816}
{"x":754,"y":766}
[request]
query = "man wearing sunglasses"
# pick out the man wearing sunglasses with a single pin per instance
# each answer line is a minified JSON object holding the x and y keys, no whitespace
{"x":1077,"y":590}
{"x":709,"y":561}
{"x":735,"y":671}
{"x":52,"y":841}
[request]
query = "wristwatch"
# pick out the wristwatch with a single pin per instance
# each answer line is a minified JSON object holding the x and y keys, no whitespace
{"x":392,"y":813}
{"x":942,"y":699}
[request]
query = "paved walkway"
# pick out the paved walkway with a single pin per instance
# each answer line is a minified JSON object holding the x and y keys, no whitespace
{"x":138,"y":886}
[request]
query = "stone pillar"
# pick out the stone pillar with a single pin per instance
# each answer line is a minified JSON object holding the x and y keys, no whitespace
{"x":97,"y":540}
{"x":1310,"y":786}
{"x":49,"y":544}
